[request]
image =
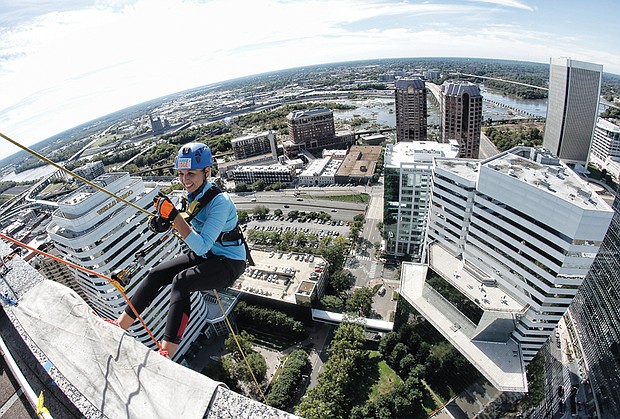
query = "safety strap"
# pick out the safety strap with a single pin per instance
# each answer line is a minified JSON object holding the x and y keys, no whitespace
{"x":226,"y":236}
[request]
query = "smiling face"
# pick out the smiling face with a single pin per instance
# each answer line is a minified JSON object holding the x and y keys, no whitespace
{"x":192,"y":180}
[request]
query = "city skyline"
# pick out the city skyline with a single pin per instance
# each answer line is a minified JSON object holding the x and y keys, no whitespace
{"x":67,"y":63}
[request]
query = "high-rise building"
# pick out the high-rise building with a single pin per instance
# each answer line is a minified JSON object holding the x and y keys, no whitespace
{"x":100,"y":233}
{"x":572,"y":106}
{"x":410,"y":100}
{"x":516,"y":235}
{"x":407,"y":187}
{"x":461,"y":118}
{"x":314,"y":128}
{"x":605,"y":151}
{"x":596,"y":317}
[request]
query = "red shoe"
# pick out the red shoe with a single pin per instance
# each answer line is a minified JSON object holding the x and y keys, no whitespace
{"x":112,"y":321}
{"x":163,"y":353}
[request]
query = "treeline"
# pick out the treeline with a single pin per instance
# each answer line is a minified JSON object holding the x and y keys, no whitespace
{"x":522,"y":92}
{"x":346,"y":378}
{"x":417,"y":351}
{"x":288,"y":382}
{"x":268,"y":321}
{"x":507,"y":139}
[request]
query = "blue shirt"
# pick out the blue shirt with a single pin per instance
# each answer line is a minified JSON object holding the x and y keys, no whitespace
{"x":219,"y":215}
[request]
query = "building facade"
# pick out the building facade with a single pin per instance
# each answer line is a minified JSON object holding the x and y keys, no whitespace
{"x":269,"y":174}
{"x":103,"y":234}
{"x":314,"y":128}
{"x":411,"y":110}
{"x":527,"y":225}
{"x":407,"y":186}
{"x":461,"y":118}
{"x":255,"y":145}
{"x":572,"y":107}
{"x":596,"y":317}
{"x":605,"y":151}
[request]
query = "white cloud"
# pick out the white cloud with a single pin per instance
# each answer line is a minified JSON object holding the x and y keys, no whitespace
{"x":66,"y":67}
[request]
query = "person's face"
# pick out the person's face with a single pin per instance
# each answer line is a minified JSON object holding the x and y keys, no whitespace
{"x":193,"y":179}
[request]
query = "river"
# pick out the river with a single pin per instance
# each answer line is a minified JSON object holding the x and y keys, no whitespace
{"x":32,"y":174}
{"x":380,"y":111}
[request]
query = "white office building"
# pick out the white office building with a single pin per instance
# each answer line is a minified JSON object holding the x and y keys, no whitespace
{"x":407,"y":187}
{"x":516,"y":235}
{"x":102,"y":234}
{"x":574,"y":90}
{"x":605,"y":151}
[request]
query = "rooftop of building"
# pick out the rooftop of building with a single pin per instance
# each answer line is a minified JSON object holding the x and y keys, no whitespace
{"x":309,"y":112}
{"x":418,"y":151}
{"x":249,"y":137}
{"x":326,"y":166}
{"x":86,"y":191}
{"x":279,"y":275}
{"x":500,"y":363}
{"x":416,"y":83}
{"x":548,"y":174}
{"x":607,"y":125}
{"x":360,"y":161}
{"x":459,"y":87}
{"x":535,"y":167}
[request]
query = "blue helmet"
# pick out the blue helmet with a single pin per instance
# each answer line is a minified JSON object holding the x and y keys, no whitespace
{"x":193,"y":156}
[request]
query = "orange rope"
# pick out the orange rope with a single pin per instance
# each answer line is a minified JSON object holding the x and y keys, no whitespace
{"x":81,"y":268}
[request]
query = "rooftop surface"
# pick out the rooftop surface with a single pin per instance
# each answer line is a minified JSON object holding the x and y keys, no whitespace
{"x":279,"y":275}
{"x":556,"y":179}
{"x":487,"y":297}
{"x":417,"y":151}
{"x":500,"y":363}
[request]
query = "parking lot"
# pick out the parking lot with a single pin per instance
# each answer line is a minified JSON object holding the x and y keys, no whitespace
{"x":281,"y":224}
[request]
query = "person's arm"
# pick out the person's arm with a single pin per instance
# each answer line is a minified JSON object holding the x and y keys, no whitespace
{"x":181,"y":226}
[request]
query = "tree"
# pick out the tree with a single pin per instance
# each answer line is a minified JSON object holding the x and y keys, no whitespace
{"x":244,"y":339}
{"x":278,"y":212}
{"x":261,"y":211}
{"x":332,"y":303}
{"x":243,"y":216}
{"x":241,"y":187}
{"x":341,"y":281}
{"x":259,"y":185}
{"x":360,"y":302}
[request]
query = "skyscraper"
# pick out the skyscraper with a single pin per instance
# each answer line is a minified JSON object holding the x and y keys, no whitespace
{"x":461,"y":118}
{"x":408,"y":168}
{"x":596,"y":316}
{"x":516,"y":235}
{"x":410,"y":99}
{"x":574,"y":90}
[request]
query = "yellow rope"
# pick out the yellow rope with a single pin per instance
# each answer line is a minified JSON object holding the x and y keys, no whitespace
{"x":131,"y":204}
{"x":239,"y":346}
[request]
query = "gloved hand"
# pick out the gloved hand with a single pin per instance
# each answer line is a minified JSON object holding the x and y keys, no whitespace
{"x":164,"y":207}
{"x":159,"y":225}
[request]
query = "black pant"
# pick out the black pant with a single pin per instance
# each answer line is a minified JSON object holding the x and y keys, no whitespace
{"x":186,"y":273}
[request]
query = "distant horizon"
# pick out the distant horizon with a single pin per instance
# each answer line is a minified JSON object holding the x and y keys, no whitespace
{"x":38,"y":144}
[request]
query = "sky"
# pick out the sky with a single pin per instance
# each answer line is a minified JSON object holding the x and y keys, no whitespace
{"x":63,"y":63}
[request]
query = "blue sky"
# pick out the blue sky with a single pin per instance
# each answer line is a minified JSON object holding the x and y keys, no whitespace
{"x":63,"y":63}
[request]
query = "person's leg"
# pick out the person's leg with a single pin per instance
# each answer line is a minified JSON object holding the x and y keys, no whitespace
{"x":213,"y":273}
{"x":158,"y":277}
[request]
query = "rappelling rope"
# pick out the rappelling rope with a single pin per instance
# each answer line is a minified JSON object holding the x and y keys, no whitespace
{"x":89,"y":271}
{"x":115,"y":283}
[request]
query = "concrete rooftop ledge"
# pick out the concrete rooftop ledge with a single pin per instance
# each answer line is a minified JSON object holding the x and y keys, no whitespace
{"x":103,"y":371}
{"x":500,"y":363}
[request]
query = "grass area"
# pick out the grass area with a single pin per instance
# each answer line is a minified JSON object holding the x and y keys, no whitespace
{"x":342,"y":198}
{"x":387,"y":377}
{"x":432,"y":403}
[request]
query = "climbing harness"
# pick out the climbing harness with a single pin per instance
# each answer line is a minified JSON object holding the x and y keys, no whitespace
{"x":234,"y":235}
